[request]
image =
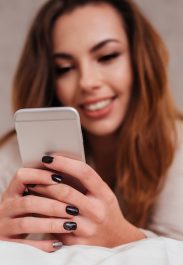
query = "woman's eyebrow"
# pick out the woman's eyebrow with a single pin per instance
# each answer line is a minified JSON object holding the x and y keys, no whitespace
{"x":67,"y":56}
{"x":101,"y":44}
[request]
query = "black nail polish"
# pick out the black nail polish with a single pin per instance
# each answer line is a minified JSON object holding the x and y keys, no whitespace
{"x":70,"y":226}
{"x":56,"y":178}
{"x":72,"y":210}
{"x":26,"y":192}
{"x":47,"y":159}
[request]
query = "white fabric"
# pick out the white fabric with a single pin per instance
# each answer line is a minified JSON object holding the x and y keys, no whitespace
{"x":157,"y":251}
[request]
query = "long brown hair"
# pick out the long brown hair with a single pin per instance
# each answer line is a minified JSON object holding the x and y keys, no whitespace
{"x":146,"y":136}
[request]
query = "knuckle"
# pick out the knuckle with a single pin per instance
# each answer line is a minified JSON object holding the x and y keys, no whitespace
{"x":27,"y":203}
{"x":22,"y":225}
{"x":86,"y":172}
{"x":54,"y":209}
{"x":100,"y":215}
{"x":54,"y":227}
{"x":111,"y":199}
{"x":19,"y":176}
{"x":66,"y":192}
{"x":19,"y":173}
{"x":108,"y":196}
{"x":98,"y":211}
{"x":90,"y":231}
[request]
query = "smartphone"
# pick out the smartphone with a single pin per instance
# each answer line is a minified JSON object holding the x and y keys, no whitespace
{"x":43,"y":131}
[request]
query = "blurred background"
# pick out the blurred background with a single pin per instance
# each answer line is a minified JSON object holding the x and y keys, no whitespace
{"x":16,"y":16}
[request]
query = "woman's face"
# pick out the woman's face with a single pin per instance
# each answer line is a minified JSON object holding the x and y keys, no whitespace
{"x":93,"y":67}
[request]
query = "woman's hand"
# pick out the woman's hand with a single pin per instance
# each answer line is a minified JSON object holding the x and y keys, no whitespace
{"x":100,"y":221}
{"x":21,"y":215}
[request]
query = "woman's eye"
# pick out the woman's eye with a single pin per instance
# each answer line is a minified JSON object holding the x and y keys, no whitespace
{"x":59,"y":71}
{"x":109,"y":57}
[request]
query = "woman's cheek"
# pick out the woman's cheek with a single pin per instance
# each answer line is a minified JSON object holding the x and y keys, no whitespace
{"x":65,"y":91}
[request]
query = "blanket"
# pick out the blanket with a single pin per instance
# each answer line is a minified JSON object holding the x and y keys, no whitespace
{"x":151,"y":251}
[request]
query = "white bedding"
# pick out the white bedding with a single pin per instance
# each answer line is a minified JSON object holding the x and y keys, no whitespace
{"x":156,"y":251}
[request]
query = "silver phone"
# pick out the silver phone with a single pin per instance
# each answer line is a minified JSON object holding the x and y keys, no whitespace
{"x":42,"y":131}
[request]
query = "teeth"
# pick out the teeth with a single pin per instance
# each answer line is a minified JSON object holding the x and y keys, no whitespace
{"x":99,"y":105}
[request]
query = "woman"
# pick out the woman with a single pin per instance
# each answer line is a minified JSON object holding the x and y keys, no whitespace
{"x":106,"y":60}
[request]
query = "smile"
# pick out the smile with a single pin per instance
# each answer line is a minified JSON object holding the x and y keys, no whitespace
{"x":97,"y":109}
{"x":98,"y":105}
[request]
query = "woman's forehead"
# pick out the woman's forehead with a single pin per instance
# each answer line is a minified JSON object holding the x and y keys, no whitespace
{"x":88,"y":24}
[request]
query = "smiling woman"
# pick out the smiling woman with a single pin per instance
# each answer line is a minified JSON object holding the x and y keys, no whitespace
{"x":94,"y":72}
{"x":103,"y":58}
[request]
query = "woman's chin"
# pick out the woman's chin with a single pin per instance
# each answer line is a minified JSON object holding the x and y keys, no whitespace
{"x":101,"y":130}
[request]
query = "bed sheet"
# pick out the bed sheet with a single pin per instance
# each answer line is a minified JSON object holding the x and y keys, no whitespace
{"x":152,"y":251}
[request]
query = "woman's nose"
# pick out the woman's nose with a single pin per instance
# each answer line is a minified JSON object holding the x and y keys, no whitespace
{"x":89,"y":78}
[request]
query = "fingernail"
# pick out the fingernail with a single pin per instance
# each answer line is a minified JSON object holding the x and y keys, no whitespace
{"x":72,"y":210}
{"x":56,"y":178}
{"x":47,"y":159}
{"x":70,"y":226}
{"x":57,"y":244}
{"x":26,"y":192}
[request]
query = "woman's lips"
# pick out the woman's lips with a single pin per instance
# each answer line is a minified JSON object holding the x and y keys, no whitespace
{"x":98,"y":108}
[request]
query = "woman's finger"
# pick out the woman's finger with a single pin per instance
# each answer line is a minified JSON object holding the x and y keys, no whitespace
{"x":29,"y":176}
{"x":68,"y":195}
{"x":78,"y":169}
{"x":36,"y":225}
{"x":39,"y":205}
{"x":45,"y":245}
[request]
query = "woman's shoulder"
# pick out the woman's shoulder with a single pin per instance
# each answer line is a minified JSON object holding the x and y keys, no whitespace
{"x":167,"y":218}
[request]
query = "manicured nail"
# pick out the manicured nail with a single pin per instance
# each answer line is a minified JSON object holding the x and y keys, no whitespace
{"x":72,"y":210}
{"x":70,"y":226}
{"x":26,"y":192}
{"x":56,"y":178}
{"x":57,"y":244}
{"x":47,"y":159}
